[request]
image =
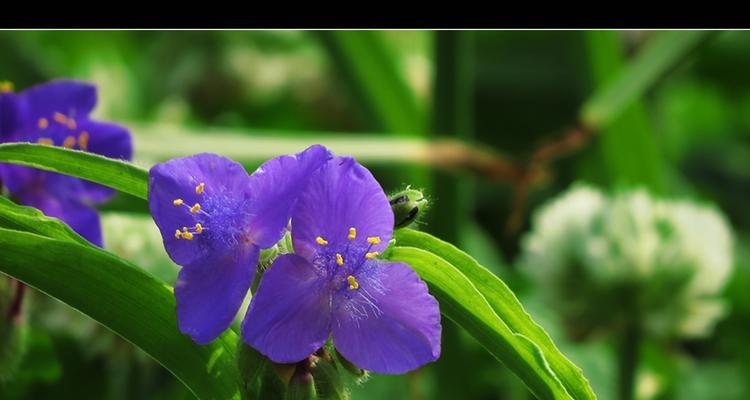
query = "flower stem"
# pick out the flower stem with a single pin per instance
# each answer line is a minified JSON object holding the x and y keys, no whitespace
{"x":628,"y":361}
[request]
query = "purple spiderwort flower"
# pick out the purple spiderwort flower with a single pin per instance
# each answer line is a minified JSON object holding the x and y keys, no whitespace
{"x":56,"y":113}
{"x":214,"y":220}
{"x":379,"y":313}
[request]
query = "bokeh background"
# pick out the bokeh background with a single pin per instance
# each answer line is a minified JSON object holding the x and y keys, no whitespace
{"x":489,"y":124}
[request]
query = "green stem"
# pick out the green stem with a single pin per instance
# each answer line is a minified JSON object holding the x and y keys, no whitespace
{"x":629,"y":346}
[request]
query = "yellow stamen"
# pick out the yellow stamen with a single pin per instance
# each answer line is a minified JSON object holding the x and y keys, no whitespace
{"x":371,"y":255}
{"x":60,"y":118}
{"x":373,"y":240}
{"x":69,"y":142}
{"x":6,"y":87}
{"x":72,"y":124}
{"x":200,"y":188}
{"x":177,"y":234}
{"x":198,"y":228}
{"x":43,"y":123}
{"x":187,"y":235}
{"x":195,"y":208}
{"x":353,"y":284}
{"x":352,"y":233}
{"x":177,"y":202}
{"x":319,"y":240}
{"x":339,"y":259}
{"x":45,"y":141}
{"x":83,"y":140}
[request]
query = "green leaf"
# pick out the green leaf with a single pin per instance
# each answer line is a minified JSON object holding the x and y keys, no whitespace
{"x":462,"y":303}
{"x":115,"y":293}
{"x":662,"y":53}
{"x":119,"y":175}
{"x":141,"y":309}
{"x":629,"y":149}
{"x":28,"y":219}
{"x":503,"y":303}
{"x":369,"y":64}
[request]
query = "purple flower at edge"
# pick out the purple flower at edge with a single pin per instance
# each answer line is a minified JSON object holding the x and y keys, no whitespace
{"x":379,"y":314}
{"x":214,"y":220}
{"x":56,"y":113}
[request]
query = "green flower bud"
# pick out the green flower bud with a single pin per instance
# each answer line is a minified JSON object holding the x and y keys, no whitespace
{"x":328,"y":380}
{"x":408,"y":205}
{"x":302,"y":385}
{"x":353,"y":369}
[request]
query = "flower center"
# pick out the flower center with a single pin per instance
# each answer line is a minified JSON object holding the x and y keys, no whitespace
{"x":219,"y":216}
{"x":343,"y":261}
{"x":65,"y":130}
{"x":6,"y":87}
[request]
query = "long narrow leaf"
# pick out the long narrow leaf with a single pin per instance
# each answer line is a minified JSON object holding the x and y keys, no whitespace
{"x":115,"y":293}
{"x":461,"y":302}
{"x":661,"y":54}
{"x":119,"y":175}
{"x":505,"y":304}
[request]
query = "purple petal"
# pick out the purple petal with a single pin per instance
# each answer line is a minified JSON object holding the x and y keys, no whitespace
{"x":83,"y":219}
{"x":341,"y":195}
{"x":225,"y":198}
{"x":210,"y":293}
{"x":289,"y":315}
{"x":276,"y":185}
{"x":71,"y":98}
{"x":109,"y":140}
{"x":9,"y":116}
{"x":390,"y":324}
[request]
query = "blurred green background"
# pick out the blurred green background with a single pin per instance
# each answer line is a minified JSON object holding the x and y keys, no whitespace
{"x":393,"y":98}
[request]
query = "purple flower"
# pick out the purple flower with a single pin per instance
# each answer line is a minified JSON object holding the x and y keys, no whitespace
{"x":379,"y":313}
{"x":57,"y":114}
{"x":214,"y":220}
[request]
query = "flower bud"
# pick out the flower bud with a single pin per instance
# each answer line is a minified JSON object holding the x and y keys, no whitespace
{"x":302,"y":385}
{"x":408,"y":205}
{"x":353,"y":369}
{"x":328,"y":380}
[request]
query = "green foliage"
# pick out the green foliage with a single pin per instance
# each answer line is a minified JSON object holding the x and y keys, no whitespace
{"x":143,"y":309}
{"x":661,"y":54}
{"x":114,"y":292}
{"x":488,"y":291}
{"x":128,"y":178}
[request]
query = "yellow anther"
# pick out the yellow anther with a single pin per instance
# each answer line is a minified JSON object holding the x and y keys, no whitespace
{"x":187,"y":235}
{"x":195,"y":208}
{"x":198,"y":228}
{"x":200,"y":188}
{"x":353,"y":284}
{"x":72,"y":124}
{"x":60,"y":118}
{"x":339,"y":259}
{"x":319,"y":240}
{"x":371,"y":255}
{"x":69,"y":142}
{"x":45,"y":141}
{"x":83,"y":140}
{"x":177,"y":202}
{"x":6,"y":87}
{"x":177,"y":234}
{"x":43,"y":123}
{"x":373,"y":240}
{"x":352,"y":233}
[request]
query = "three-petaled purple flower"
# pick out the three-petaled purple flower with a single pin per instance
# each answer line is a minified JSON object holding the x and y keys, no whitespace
{"x":379,"y":314}
{"x":214,"y":219}
{"x":57,"y":114}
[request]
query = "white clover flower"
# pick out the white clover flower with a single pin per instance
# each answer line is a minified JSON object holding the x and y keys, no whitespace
{"x":591,"y":251}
